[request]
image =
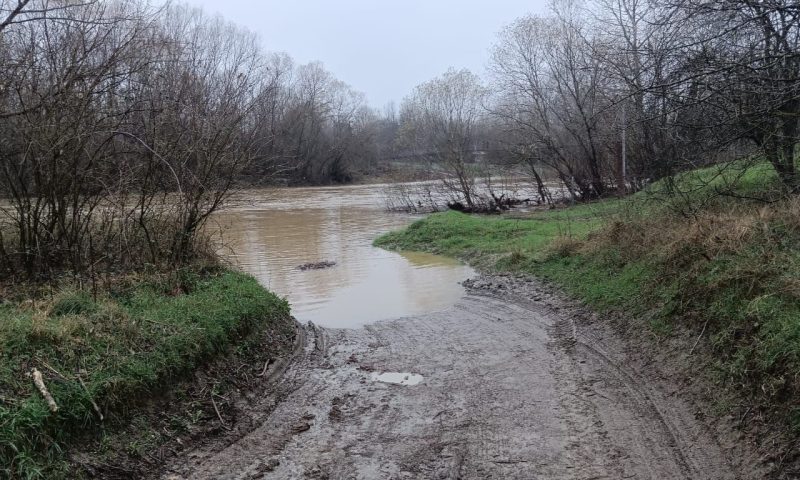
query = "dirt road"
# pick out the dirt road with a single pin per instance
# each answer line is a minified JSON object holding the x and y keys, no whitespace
{"x":511,"y":388}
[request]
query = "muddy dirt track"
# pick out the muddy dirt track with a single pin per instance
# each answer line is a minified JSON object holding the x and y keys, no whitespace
{"x":512,"y":388}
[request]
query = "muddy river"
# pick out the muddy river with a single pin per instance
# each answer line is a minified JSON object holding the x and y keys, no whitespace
{"x":270,"y":233}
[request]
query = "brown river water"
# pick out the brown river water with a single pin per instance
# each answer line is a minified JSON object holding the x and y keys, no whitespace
{"x":270,"y":232}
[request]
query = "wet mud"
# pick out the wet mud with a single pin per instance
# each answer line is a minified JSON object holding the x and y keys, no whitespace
{"x":506,"y":384}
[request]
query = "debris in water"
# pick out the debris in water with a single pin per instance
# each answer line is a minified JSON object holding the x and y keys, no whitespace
{"x":316,"y":265}
{"x":397,"y":378}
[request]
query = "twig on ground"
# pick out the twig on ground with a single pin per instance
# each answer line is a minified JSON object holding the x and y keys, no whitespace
{"x":94,"y":405}
{"x":217,"y":411}
{"x":51,"y":368}
{"x":266,"y":366}
{"x":699,"y":337}
{"x":747,"y":412}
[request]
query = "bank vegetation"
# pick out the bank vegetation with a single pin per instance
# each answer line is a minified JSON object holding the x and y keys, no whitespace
{"x":687,"y":114}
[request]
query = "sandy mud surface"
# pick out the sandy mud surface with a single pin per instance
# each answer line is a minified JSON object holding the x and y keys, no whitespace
{"x":504,"y":385}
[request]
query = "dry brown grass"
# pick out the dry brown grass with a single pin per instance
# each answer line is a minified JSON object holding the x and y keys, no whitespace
{"x":679,"y":240}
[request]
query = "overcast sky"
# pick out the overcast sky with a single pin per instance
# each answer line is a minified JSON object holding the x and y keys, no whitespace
{"x":380,"y":47}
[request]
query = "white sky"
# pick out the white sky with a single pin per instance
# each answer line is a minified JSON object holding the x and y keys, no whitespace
{"x":381,"y":47}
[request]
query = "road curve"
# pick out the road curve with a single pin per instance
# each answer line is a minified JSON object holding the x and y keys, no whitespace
{"x":510,"y":389}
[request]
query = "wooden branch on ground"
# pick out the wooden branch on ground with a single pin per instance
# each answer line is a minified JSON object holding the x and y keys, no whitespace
{"x":39,"y":382}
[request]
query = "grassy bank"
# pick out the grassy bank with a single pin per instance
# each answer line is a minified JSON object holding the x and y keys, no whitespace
{"x":727,"y":266}
{"x":105,"y":354}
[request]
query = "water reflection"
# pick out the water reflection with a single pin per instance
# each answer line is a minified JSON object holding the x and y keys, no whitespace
{"x":271,"y":232}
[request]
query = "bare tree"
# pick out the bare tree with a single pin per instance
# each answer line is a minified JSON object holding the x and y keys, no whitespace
{"x":551,"y":90}
{"x":439,"y":122}
{"x":60,"y":146}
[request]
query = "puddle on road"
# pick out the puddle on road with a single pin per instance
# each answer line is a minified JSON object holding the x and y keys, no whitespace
{"x":399,"y":378}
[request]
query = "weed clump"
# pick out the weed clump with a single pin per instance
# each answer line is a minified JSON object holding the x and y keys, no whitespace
{"x":562,"y":247}
{"x":73,"y":303}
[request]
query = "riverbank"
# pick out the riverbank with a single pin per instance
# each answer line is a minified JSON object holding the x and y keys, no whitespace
{"x":717,"y":275}
{"x":147,"y":361}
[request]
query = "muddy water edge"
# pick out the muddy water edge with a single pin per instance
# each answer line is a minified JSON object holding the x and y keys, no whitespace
{"x":314,"y":246}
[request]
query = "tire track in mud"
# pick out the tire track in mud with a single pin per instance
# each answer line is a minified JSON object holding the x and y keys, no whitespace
{"x":632,"y":393}
{"x":581,"y":350}
{"x":513,"y":388}
{"x":685,"y":440}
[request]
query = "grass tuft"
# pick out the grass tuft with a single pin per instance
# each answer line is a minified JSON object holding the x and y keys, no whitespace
{"x":73,"y":303}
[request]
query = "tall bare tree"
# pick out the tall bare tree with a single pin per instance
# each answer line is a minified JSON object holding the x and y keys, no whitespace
{"x":551,"y":90}
{"x":440,"y":120}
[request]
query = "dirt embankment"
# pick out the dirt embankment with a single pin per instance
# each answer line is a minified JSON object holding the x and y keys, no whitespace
{"x":220,"y":402}
{"x":512,"y":382}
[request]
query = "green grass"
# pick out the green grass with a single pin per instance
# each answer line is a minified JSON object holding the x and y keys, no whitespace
{"x":731,"y":264}
{"x":456,"y":234}
{"x":125,"y":346}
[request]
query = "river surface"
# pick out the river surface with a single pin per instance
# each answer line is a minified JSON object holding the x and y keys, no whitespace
{"x":269,"y":233}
